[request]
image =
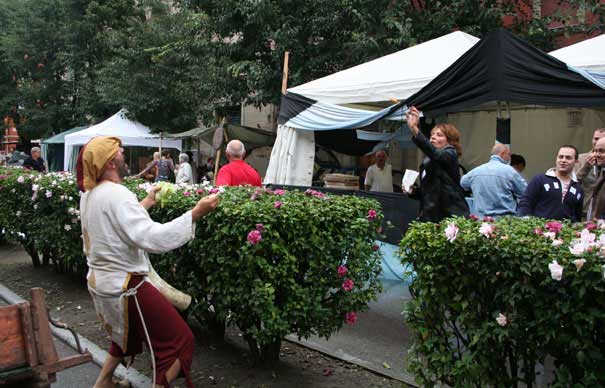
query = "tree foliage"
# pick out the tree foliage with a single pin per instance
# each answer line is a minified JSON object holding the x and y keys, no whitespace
{"x":173,"y":64}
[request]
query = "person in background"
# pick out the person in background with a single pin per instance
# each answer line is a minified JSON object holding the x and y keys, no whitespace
{"x":596,"y":208}
{"x":587,"y":170}
{"x":151,"y":170}
{"x":165,"y":168}
{"x":518,"y":163}
{"x":184,"y":174}
{"x":556,"y":194}
{"x":34,"y":161}
{"x":496,"y":186}
{"x":439,"y":191}
{"x":237,"y":172}
{"x":379,"y":176}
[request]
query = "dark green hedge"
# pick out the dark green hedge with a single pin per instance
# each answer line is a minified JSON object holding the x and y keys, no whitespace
{"x":273,"y":262}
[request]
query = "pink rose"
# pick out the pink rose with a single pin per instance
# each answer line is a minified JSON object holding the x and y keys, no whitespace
{"x":347,"y":285}
{"x":254,"y":237}
{"x":342,"y":270}
{"x":488,"y":219}
{"x":214,"y":190}
{"x":279,"y":192}
{"x":371,"y":215}
{"x":186,"y":193}
{"x":473,"y":217}
{"x":350,"y":317}
{"x":260,"y":227}
{"x":277,"y":204}
{"x":538,"y":231}
{"x":375,"y":247}
{"x":554,"y":226}
{"x":199,"y":191}
{"x":591,"y":226}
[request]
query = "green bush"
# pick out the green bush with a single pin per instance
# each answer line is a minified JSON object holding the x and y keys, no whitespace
{"x":489,"y":305}
{"x":274,"y":262}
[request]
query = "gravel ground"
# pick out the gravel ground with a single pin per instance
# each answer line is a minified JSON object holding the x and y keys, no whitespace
{"x":225,"y":364}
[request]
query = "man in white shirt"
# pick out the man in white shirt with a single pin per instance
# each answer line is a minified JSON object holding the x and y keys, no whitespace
{"x":379,"y":176}
{"x":117,"y":233}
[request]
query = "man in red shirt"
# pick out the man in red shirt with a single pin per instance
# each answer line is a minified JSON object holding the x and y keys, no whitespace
{"x":237,"y":172}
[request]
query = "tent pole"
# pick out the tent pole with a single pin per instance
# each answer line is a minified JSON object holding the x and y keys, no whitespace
{"x":284,"y":80}
{"x":161,"y":140}
{"x":216,"y":162}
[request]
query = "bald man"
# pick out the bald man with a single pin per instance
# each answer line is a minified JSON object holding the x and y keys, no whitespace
{"x":237,"y":172}
{"x":496,"y":186}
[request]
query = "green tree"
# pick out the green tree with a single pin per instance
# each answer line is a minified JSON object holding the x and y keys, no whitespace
{"x":159,"y":70}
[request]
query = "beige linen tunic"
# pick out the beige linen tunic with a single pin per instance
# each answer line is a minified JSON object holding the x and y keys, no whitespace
{"x":117,"y":233}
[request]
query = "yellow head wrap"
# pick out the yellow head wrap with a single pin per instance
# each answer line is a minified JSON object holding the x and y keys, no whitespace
{"x":93,"y":158}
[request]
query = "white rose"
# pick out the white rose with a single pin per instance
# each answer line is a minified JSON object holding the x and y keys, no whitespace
{"x":556,"y":271}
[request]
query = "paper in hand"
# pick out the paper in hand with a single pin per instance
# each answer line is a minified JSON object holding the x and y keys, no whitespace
{"x":408,"y":179}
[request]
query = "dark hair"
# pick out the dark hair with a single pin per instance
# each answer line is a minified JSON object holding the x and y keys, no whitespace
{"x":166,"y":153}
{"x":572,"y":147}
{"x":516,"y":160}
{"x":452,"y":135}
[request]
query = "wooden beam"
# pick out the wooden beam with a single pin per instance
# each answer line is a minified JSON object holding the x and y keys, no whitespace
{"x":47,"y":354}
{"x":284,"y":80}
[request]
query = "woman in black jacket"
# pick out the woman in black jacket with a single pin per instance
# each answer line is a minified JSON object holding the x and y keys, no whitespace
{"x":440,"y":193}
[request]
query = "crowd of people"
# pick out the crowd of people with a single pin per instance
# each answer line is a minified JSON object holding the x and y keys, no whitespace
{"x":574,"y":189}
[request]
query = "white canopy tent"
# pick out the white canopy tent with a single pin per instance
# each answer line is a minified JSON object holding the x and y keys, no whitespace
{"x":130,"y":132}
{"x":588,"y":54}
{"x":394,"y":76}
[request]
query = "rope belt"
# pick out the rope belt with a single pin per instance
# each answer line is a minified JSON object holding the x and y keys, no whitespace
{"x":133,"y":292}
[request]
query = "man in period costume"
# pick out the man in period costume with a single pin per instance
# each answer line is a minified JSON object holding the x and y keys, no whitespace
{"x":117,"y":233}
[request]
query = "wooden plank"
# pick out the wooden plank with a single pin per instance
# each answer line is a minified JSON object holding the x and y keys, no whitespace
{"x":28,"y":334}
{"x":12,"y":346}
{"x":66,"y":362}
{"x":47,"y":354}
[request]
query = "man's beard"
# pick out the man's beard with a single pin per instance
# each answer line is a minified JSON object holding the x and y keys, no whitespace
{"x":123,"y":170}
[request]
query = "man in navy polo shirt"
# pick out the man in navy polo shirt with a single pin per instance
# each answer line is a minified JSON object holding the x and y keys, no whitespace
{"x":556,"y":194}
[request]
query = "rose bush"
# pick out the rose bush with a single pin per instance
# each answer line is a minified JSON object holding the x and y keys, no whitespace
{"x":493,"y":299}
{"x":272,"y":262}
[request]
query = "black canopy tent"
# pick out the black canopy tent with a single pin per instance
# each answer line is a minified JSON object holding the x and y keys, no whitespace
{"x":504,"y":68}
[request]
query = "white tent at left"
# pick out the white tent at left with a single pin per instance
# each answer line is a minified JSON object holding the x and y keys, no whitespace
{"x":130,"y":132}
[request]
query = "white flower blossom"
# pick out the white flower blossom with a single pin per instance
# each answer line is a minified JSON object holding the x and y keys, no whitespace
{"x":451,"y":232}
{"x":587,"y":238}
{"x":21,"y":179}
{"x":557,"y":242}
{"x":36,"y":206}
{"x":49,"y":194}
{"x":71,"y":198}
{"x":556,"y":271}
{"x":502,"y":320}
{"x":18,"y":213}
{"x":35,"y":188}
{"x":67,"y":227}
{"x":577,"y":248}
{"x":550,"y":235}
{"x":579,"y":263}
{"x":486,"y":229}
